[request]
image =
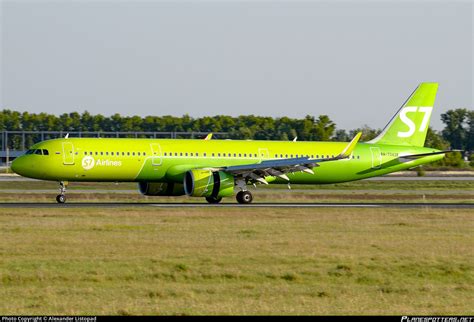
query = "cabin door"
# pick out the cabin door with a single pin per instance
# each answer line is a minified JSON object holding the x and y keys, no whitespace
{"x":68,"y":153}
{"x":156,"y":158}
{"x":376,"y":157}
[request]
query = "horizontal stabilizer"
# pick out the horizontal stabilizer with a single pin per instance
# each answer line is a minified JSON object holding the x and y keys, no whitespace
{"x":417,"y":156}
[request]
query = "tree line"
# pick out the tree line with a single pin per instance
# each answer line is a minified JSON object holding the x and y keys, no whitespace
{"x":458,"y":132}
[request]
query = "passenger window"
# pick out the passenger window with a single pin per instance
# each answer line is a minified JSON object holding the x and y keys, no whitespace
{"x":128,"y":153}
{"x":138,"y":153}
{"x":213,"y":154}
{"x":101,"y":153}
{"x":106,"y":153}
{"x":144,"y":153}
{"x":197,"y":154}
{"x":205,"y":153}
{"x":218,"y":154}
{"x":133,"y":153}
{"x":240,"y":155}
{"x":181,"y":154}
{"x":235,"y":154}
{"x":186,"y":154}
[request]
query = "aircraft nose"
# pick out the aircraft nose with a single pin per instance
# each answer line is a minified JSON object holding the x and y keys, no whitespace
{"x":17,"y":165}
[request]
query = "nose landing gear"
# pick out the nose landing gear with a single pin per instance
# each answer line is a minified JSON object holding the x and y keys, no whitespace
{"x":61,"y":198}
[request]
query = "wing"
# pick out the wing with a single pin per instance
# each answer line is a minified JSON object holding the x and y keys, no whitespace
{"x":280,"y":168}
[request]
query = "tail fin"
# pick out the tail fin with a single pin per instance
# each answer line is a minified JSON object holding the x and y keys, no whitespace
{"x":410,"y":125}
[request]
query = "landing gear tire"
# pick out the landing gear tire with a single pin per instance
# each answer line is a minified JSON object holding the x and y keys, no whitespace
{"x":61,"y":198}
{"x":244,"y":197}
{"x":213,"y":200}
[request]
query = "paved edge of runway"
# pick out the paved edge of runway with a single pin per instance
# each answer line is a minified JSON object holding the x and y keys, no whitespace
{"x":232,"y":205}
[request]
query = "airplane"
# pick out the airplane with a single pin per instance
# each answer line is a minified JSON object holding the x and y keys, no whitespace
{"x":213,"y":169}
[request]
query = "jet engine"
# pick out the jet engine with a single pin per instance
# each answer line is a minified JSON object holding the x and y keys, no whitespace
{"x":161,"y":189}
{"x":206,"y":183}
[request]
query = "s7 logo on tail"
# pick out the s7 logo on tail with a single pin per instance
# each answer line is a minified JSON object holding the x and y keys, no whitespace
{"x":426,"y":110}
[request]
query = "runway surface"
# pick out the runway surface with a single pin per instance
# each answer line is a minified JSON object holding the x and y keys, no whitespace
{"x":234,"y":205}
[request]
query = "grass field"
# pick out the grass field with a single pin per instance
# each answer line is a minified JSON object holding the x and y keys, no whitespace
{"x":236,"y":261}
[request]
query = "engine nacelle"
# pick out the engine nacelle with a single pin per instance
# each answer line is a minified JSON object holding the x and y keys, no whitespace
{"x":161,"y":189}
{"x":205,"y":183}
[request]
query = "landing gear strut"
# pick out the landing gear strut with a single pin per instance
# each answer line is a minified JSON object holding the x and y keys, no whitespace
{"x":61,"y":198}
{"x":244,"y":197}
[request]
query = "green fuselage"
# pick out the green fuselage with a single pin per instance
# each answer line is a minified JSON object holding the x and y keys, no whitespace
{"x":167,"y":160}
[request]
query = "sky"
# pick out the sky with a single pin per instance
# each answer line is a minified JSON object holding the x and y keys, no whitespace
{"x":355,"y":61}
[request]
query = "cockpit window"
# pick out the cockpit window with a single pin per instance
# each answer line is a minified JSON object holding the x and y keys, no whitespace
{"x":37,"y":151}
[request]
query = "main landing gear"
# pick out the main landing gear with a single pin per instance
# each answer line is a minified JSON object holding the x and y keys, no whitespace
{"x":61,"y":198}
{"x":244,"y":197}
{"x":213,"y":200}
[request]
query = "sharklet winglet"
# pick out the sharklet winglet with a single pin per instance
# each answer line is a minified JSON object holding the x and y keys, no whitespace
{"x":350,"y":147}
